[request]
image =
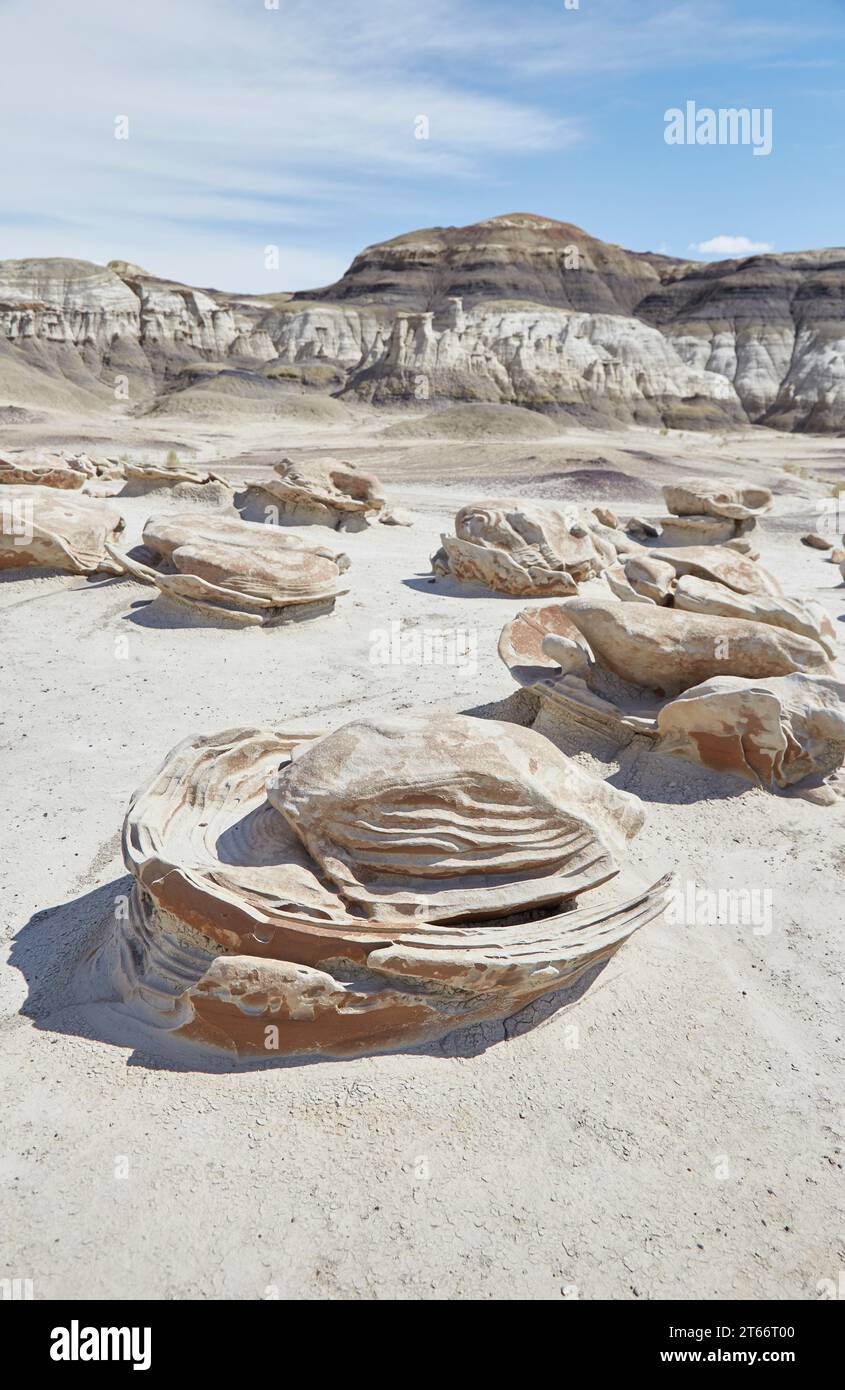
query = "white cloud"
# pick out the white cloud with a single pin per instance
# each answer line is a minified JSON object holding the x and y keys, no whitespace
{"x":731,"y":246}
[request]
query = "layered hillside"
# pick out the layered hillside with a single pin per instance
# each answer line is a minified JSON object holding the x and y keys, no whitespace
{"x":518,"y":309}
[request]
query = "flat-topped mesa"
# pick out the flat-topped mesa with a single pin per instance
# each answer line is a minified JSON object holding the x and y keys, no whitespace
{"x":323,"y":492}
{"x":369,"y":890}
{"x":53,"y":528}
{"x":747,"y":686}
{"x":237,"y":571}
{"x":524,"y":548}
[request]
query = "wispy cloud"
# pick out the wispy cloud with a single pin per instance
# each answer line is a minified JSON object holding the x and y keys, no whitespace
{"x":250,"y":125}
{"x":241,"y":114}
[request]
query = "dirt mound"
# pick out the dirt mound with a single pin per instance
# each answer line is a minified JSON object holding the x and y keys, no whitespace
{"x":476,"y":422}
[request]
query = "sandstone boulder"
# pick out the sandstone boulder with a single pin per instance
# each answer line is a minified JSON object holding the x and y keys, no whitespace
{"x":52,"y":528}
{"x":778,"y":732}
{"x":803,"y":616}
{"x":70,"y":472}
{"x":723,"y":565}
{"x":369,"y":890}
{"x":523,"y":548}
{"x":325,"y":492}
{"x":729,"y":498}
{"x":237,"y":571}
{"x":785,"y":731}
{"x":668,"y":651}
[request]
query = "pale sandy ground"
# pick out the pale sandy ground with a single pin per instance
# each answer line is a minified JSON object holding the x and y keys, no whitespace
{"x":674,"y":1133}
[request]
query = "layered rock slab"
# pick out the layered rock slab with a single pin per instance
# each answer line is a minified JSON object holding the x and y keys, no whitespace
{"x":297,"y":895}
{"x":242,"y":572}
{"x":783,"y":731}
{"x":324,"y":492}
{"x":52,"y":528}
{"x":523,"y":548}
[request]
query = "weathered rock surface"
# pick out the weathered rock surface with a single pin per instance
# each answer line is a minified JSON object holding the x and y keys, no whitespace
{"x":238,"y":571}
{"x":52,"y":528}
{"x":786,"y":732}
{"x":728,"y":498}
{"x":168,"y":473}
{"x":669,"y":651}
{"x":517,"y":309}
{"x":179,"y":482}
{"x":780,"y":731}
{"x":523,"y":548}
{"x":721,"y":564}
{"x":70,"y":472}
{"x":803,"y":616}
{"x":368,"y":890}
{"x":322,"y":491}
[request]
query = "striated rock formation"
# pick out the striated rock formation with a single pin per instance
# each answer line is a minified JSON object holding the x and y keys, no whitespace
{"x":722,"y":565}
{"x":804,"y":616}
{"x":669,"y":651}
{"x":645,"y":579}
{"x":324,"y":492}
{"x":778,"y":731}
{"x":524,"y":548}
{"x":244,"y":573}
{"x":70,"y":472}
{"x":704,"y":512}
{"x":731,"y":498}
{"x":369,"y":890}
{"x":517,"y":309}
{"x":49,"y":528}
{"x":178,"y":481}
{"x":740,"y":696}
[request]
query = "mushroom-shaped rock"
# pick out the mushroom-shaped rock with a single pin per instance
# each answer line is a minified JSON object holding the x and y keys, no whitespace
{"x":371,"y":889}
{"x":169,"y":473}
{"x":237,"y":571}
{"x":668,"y":651}
{"x":52,"y":528}
{"x":728,"y":497}
{"x":523,"y":548}
{"x":324,"y":491}
{"x":700,"y":530}
{"x":180,"y":481}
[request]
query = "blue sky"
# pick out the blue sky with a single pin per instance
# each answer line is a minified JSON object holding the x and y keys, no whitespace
{"x":295,"y":127}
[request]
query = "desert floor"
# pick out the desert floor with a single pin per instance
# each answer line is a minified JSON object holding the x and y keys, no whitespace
{"x":675,"y":1132}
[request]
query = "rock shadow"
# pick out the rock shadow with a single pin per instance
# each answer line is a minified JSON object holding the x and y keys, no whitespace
{"x":55,"y":952}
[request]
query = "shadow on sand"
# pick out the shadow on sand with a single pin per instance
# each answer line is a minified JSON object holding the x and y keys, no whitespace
{"x":54,"y":953}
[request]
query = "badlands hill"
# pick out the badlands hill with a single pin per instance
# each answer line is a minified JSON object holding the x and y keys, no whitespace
{"x":518,"y":310}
